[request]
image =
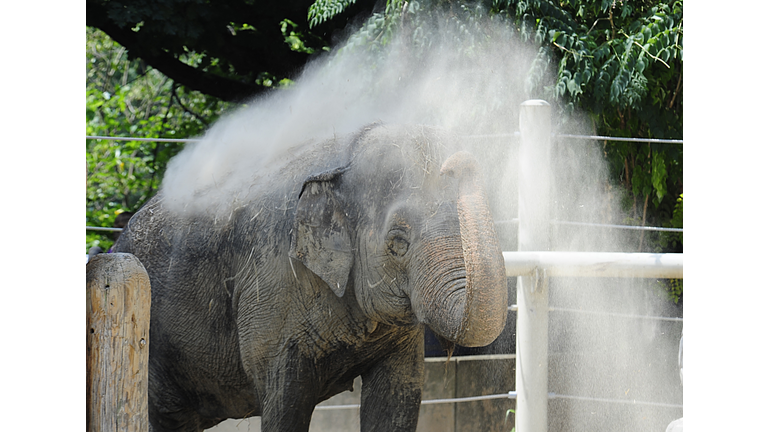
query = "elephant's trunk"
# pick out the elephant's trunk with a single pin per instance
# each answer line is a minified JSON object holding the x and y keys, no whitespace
{"x":469,"y":305}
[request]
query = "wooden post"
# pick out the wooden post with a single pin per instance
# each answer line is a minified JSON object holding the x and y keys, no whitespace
{"x":531,"y":372}
{"x":117,"y":343}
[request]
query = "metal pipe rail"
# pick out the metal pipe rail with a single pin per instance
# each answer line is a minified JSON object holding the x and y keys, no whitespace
{"x":594,"y":264}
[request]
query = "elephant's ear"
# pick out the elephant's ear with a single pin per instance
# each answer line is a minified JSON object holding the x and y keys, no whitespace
{"x":321,"y":237}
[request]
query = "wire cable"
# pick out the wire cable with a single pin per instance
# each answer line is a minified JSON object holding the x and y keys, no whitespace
{"x":634,"y":140}
{"x":93,"y":228}
{"x":168,"y":140}
{"x":503,"y":135}
{"x":512,"y":395}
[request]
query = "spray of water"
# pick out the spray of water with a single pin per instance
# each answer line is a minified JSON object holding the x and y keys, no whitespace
{"x":467,"y":76}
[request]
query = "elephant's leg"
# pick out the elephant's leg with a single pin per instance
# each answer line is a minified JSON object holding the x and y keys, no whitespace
{"x":293,"y":415}
{"x":168,"y":409}
{"x":290,"y":398}
{"x":391,"y":395}
{"x":183,"y":420}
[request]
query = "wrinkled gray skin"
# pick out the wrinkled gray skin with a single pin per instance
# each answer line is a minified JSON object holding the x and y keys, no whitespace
{"x":328,"y":271}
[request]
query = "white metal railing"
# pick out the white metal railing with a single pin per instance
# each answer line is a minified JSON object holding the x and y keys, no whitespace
{"x":534,"y":264}
{"x":594,"y":264}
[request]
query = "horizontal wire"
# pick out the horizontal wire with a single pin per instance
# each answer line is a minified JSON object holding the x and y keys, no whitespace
{"x":635,"y":140}
{"x":93,"y":228}
{"x":169,"y":140}
{"x":627,"y":227}
{"x":631,"y":402}
{"x":471,"y":357}
{"x":513,"y":308}
{"x":597,"y":225}
{"x":503,"y":135}
{"x":336,"y":407}
{"x":510,"y":221}
{"x":511,"y":395}
{"x":659,"y":318}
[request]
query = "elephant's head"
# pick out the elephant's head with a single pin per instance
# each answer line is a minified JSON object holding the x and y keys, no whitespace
{"x":406,"y":223}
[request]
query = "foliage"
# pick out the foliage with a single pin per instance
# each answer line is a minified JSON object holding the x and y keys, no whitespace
{"x":295,"y":38}
{"x":323,"y":10}
{"x":509,"y":411}
{"x":128,"y":98}
{"x":673,"y":288}
{"x":622,"y":63}
{"x":668,"y":240}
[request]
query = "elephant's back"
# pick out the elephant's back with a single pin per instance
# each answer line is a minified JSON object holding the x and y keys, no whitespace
{"x":139,"y":237}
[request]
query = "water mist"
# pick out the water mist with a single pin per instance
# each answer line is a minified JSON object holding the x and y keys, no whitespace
{"x":470,"y":78}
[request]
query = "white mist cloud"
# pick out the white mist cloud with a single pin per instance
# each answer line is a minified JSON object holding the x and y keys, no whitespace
{"x":468,"y":79}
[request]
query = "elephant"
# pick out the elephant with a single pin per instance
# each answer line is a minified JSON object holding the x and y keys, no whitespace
{"x":328,"y":269}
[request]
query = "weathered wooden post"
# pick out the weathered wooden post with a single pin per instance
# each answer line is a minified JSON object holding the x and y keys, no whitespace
{"x":117,"y":343}
{"x":531,"y":379}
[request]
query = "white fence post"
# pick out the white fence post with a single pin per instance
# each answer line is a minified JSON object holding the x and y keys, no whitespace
{"x":532,"y":291}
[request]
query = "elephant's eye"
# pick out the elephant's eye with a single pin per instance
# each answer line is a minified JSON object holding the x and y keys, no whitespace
{"x":397,"y":245}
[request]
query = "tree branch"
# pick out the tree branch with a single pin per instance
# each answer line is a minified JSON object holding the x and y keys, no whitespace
{"x":677,"y":89}
{"x":187,"y":110}
{"x":214,"y":85}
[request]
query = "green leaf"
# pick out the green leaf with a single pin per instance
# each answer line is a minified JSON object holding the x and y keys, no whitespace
{"x":324,"y":10}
